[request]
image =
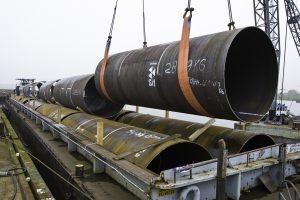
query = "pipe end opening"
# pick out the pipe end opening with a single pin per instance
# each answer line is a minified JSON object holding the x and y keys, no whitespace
{"x":251,"y":74}
{"x":177,"y":155}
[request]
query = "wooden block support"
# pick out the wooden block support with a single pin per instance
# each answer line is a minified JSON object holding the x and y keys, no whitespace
{"x":167,"y":114}
{"x":197,"y":133}
{"x":59,"y":115}
{"x":100,"y":133}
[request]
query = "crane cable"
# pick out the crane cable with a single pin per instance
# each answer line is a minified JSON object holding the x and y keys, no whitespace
{"x":188,"y":9}
{"x":112,"y":22}
{"x":144,"y":26}
{"x":283,"y":67}
{"x":231,"y":24}
{"x":145,"y":38}
{"x":107,"y":47}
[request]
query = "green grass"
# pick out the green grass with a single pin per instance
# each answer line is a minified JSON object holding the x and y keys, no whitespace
{"x":290,"y":97}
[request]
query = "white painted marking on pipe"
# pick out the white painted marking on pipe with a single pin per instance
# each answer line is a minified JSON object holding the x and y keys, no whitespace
{"x":85,"y":123}
{"x":254,"y":114}
{"x":148,"y":121}
{"x":158,"y":64}
{"x":70,"y":97}
{"x":123,"y":62}
{"x":190,"y":126}
{"x":114,"y":131}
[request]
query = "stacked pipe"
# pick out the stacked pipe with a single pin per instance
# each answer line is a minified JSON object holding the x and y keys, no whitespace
{"x":120,"y":138}
{"x":79,"y":92}
{"x":237,"y":141}
{"x":232,"y":75}
{"x":32,"y":90}
{"x":46,"y":91}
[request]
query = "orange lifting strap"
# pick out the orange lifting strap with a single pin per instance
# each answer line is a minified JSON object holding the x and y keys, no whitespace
{"x":104,"y":62}
{"x":183,"y":57}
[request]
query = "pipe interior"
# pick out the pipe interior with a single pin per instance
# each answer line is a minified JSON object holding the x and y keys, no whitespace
{"x":37,"y":88}
{"x":256,"y":142}
{"x":52,"y":87}
{"x":251,"y":74}
{"x":178,"y":155}
{"x":39,"y":84}
{"x":92,"y":99}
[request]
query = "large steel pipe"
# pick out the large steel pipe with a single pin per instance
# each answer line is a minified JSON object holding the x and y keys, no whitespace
{"x":46,"y":91}
{"x":35,"y":88}
{"x":27,"y":90}
{"x":120,"y":138}
{"x":32,"y":89}
{"x":237,"y":141}
{"x":79,"y":92}
{"x":232,"y":74}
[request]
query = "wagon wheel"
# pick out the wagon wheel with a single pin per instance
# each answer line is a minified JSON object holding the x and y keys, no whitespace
{"x":289,"y":191}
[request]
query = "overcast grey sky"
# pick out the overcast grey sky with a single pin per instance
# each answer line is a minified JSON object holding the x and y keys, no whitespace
{"x":50,"y":39}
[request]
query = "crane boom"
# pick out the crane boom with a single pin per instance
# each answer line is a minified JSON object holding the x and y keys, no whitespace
{"x":293,"y":20}
{"x":266,"y":16}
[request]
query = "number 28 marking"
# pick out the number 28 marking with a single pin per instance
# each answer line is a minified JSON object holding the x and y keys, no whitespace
{"x":199,"y":64}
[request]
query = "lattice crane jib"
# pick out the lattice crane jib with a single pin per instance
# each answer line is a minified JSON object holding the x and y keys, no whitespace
{"x":293,"y":20}
{"x":266,"y":16}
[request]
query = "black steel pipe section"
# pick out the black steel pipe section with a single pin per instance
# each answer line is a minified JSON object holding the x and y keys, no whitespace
{"x":27,"y":90}
{"x":79,"y":92}
{"x":32,"y":89}
{"x":237,"y":141}
{"x":121,"y":138}
{"x":35,"y":88}
{"x":46,"y":91}
{"x":232,"y":74}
